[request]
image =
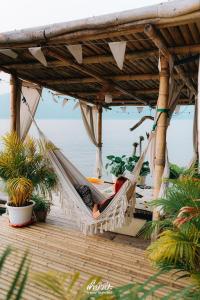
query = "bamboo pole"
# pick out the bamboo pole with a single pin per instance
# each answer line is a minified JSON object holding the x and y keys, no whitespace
{"x":100,"y":111}
{"x":101,"y":59}
{"x":158,"y":40}
{"x":142,"y":77}
{"x":170,"y":13}
{"x":13,"y":102}
{"x":161,"y":128}
{"x":100,"y":79}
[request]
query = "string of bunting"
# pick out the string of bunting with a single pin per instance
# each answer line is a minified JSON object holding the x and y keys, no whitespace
{"x":118,"y":50}
{"x":122,"y":109}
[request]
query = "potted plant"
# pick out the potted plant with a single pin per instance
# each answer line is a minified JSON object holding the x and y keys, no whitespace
{"x":116,"y":164}
{"x":119,"y":164}
{"x":130,"y":165}
{"x":41,"y":208}
{"x":24,"y":170}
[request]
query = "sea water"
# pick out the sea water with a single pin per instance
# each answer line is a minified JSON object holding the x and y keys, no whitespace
{"x":71,"y":137}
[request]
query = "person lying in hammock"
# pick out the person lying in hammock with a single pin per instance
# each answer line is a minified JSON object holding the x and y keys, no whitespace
{"x":86,"y":195}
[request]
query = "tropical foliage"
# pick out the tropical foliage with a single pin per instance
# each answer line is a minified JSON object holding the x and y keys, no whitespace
{"x":64,"y":287}
{"x":67,"y":287}
{"x":119,"y":164}
{"x":18,"y":283}
{"x":24,"y":169}
{"x":178,"y":245}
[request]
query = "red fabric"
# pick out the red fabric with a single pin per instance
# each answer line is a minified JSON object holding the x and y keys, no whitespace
{"x":120,"y":181}
{"x":103,"y":204}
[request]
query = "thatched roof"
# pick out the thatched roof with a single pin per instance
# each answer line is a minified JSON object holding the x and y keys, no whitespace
{"x":177,"y":23}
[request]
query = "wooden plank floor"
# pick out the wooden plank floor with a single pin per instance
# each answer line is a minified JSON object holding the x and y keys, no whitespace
{"x":57,"y":245}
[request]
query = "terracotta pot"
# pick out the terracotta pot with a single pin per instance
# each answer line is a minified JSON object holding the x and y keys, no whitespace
{"x":41,"y":215}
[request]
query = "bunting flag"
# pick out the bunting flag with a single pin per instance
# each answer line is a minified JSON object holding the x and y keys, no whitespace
{"x":177,"y":109}
{"x":140,"y":109}
{"x":65,"y":100}
{"x":54,"y":98}
{"x":108,"y":98}
{"x":76,"y":105}
{"x":123,"y":108}
{"x":9,"y":53}
{"x":38,"y":54}
{"x":118,"y":50}
{"x":76,"y":51}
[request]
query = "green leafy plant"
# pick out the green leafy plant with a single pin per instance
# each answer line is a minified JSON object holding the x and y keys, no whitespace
{"x":177,"y":171}
{"x":178,"y":245}
{"x":64,"y":287}
{"x":116,"y":164}
{"x":18,"y":283}
{"x":131,"y":162}
{"x":119,"y":164}
{"x":24,"y":169}
{"x":41,"y":204}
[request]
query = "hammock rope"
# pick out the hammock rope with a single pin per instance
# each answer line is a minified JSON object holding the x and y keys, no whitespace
{"x":116,"y":214}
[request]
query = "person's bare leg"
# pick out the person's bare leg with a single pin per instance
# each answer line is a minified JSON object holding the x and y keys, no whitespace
{"x":95,"y":211}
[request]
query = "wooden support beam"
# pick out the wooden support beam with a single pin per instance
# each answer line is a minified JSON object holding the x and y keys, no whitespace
{"x":158,"y":40}
{"x":85,"y":80}
{"x":100,"y":111}
{"x":161,"y":130}
{"x":97,"y":77}
{"x":101,"y":59}
{"x":14,"y":97}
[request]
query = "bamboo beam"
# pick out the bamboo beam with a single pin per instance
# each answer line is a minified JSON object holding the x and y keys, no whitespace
{"x":101,"y":59}
{"x":158,"y":40}
{"x":164,"y":14}
{"x":135,"y":77}
{"x":14,"y":93}
{"x":161,"y":130}
{"x":97,"y":77}
{"x":131,"y":102}
{"x":100,"y":111}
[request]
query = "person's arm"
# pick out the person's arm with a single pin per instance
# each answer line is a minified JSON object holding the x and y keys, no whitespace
{"x":95,"y":211}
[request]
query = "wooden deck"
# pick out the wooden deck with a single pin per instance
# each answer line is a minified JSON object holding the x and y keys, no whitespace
{"x":57,"y":245}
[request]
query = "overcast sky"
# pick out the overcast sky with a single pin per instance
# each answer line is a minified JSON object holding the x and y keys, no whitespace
{"x":29,"y":13}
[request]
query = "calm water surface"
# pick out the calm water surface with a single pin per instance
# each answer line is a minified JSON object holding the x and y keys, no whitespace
{"x":71,"y":137}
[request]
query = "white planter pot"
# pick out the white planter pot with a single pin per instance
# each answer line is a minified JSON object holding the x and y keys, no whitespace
{"x":20,"y":216}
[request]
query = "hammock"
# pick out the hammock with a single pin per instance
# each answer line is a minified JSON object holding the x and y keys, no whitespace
{"x":115,"y":215}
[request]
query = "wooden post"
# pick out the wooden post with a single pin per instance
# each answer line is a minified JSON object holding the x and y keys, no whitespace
{"x":13,"y":102}
{"x":100,"y":110}
{"x":161,"y":128}
{"x":135,"y":148}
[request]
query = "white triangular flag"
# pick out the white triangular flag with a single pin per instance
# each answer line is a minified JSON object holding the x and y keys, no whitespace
{"x":54,"y":98}
{"x":9,"y":52}
{"x":108,"y":98}
{"x":76,"y":51}
{"x":76,"y":105}
{"x":177,"y":109}
{"x":139,"y":109}
{"x":65,"y":100}
{"x":38,"y":54}
{"x":118,"y":51}
{"x":123,"y":108}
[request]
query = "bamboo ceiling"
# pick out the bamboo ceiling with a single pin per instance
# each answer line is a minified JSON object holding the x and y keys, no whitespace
{"x":177,"y":23}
